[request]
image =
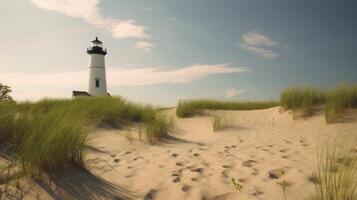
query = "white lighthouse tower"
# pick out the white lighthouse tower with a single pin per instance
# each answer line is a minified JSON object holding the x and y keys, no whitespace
{"x":97,"y":85}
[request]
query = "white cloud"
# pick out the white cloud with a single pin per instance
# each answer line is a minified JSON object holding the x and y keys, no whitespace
{"x":88,"y":10}
{"x":232,"y":92}
{"x":255,"y":38}
{"x":257,"y":43}
{"x":44,"y":84}
{"x":146,"y":46}
{"x":266,"y":53}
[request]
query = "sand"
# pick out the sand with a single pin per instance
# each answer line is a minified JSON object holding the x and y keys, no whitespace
{"x":196,"y":163}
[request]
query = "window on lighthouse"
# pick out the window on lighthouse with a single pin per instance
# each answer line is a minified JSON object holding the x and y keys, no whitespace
{"x":97,"y":82}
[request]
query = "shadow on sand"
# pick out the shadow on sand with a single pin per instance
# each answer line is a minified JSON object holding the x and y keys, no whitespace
{"x":82,"y":184}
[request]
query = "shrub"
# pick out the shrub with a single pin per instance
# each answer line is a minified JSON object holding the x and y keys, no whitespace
{"x":188,"y":108}
{"x":340,"y":99}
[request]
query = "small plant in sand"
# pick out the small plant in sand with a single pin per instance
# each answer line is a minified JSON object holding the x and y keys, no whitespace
{"x":220,"y":121}
{"x":284,"y":185}
{"x":238,"y":186}
{"x":335,"y":177}
{"x":158,"y":127}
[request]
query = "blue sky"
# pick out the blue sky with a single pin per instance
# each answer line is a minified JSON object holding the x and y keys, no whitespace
{"x":160,"y":51}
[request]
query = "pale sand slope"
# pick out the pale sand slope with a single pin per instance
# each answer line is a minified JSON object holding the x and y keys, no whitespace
{"x":196,"y":163}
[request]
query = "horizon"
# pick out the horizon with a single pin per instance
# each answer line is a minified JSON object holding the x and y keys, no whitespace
{"x":160,"y":52}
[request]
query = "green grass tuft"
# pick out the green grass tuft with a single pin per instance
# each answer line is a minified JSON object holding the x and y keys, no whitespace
{"x":220,"y":121}
{"x":339,"y":99}
{"x":157,"y":128}
{"x":302,"y":98}
{"x":189,"y":108}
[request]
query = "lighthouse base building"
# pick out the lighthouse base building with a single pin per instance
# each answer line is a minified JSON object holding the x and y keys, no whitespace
{"x":97,"y":83}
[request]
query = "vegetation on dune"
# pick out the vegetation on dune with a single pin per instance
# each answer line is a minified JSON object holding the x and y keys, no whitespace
{"x":4,"y":93}
{"x":220,"y":121}
{"x":335,"y":177}
{"x":159,"y":127}
{"x":302,"y":98}
{"x":52,"y":134}
{"x":336,"y":101}
{"x":188,"y":108}
{"x":340,"y":99}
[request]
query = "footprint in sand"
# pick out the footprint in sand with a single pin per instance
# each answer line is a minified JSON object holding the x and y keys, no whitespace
{"x":127,"y":152}
{"x":116,"y":160}
{"x":150,"y":195}
{"x":199,"y":170}
{"x":196,"y":154}
{"x":286,"y":156}
{"x":284,"y":150}
{"x":287,"y":141}
{"x":180,"y":163}
{"x":192,"y":166}
{"x":113,"y":155}
{"x":248,"y":163}
{"x":227,"y":173}
{"x":227,"y":166}
{"x":176,"y":179}
{"x":196,"y":179}
{"x":244,"y":180}
{"x":255,"y":172}
{"x":257,"y":192}
{"x":174,"y":155}
{"x":186,"y":188}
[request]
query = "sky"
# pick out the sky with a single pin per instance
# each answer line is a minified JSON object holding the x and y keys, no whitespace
{"x":161,"y":51}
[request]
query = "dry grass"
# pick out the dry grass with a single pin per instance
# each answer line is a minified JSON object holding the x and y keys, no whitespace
{"x":335,"y":177}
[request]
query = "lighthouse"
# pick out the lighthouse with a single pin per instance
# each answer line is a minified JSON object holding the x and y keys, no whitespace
{"x":97,"y":83}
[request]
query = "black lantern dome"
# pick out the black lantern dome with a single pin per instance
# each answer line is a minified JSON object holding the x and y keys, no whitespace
{"x":96,"y":47}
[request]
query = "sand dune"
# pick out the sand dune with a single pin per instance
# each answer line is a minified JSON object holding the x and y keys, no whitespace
{"x":196,"y":163}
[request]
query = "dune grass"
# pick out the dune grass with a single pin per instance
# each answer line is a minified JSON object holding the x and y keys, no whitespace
{"x":157,"y":128}
{"x":302,"y":98}
{"x":188,"y":108}
{"x":335,"y":177}
{"x":51,"y":135}
{"x":220,"y":121}
{"x":339,"y":99}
